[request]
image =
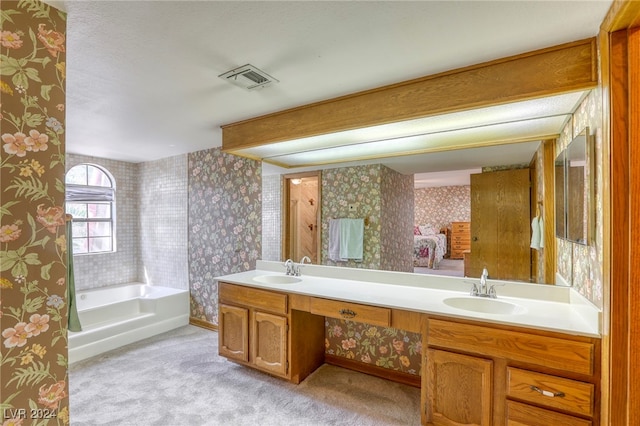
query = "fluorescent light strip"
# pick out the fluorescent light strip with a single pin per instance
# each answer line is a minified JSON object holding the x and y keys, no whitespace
{"x":517,"y":111}
{"x":470,"y":137}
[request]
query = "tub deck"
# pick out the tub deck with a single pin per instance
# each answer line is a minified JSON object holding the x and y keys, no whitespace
{"x":115,"y":316}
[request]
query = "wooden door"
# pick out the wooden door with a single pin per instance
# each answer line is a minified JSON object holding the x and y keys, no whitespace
{"x":301,"y":213}
{"x":500,"y":225}
{"x":459,"y":389}
{"x":233,"y":332}
{"x":269,"y":342}
{"x":484,"y":250}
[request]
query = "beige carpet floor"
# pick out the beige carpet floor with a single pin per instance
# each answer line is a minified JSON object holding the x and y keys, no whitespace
{"x":177,"y":379}
{"x":446,"y":267}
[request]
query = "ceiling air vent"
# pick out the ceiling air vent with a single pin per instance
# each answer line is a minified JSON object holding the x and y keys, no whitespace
{"x":248,"y":77}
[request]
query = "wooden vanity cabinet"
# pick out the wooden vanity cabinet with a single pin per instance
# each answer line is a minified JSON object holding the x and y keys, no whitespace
{"x":257,"y":328}
{"x":498,"y":375}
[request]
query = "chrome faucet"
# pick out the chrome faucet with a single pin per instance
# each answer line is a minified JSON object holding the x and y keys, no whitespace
{"x":483,"y":289}
{"x":483,"y":281}
{"x":290,"y":267}
{"x":296,"y":270}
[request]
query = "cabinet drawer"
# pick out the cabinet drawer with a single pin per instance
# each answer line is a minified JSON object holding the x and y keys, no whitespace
{"x":460,"y":247}
{"x":247,"y":296}
{"x":552,"y":352}
{"x":460,"y":225}
{"x":526,"y":415}
{"x":551,"y":391}
{"x":351,"y":311}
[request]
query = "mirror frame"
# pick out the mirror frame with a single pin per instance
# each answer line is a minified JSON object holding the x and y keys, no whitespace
{"x":560,"y":179}
{"x":583,"y":144}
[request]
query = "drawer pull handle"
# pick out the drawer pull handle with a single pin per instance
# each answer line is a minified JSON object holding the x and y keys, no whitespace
{"x":548,"y":393}
{"x":347,"y":313}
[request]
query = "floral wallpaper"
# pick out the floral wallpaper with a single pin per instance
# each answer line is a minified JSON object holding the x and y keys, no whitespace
{"x":385,"y":197}
{"x":396,"y":219}
{"x":33,"y":266}
{"x":370,"y":191}
{"x":225,"y":223}
{"x":442,"y":205}
{"x":385,"y":347}
{"x":360,"y":188}
{"x":579,"y":264}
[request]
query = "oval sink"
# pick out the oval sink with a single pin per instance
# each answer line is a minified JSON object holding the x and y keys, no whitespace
{"x":487,"y":306}
{"x":277,"y":279}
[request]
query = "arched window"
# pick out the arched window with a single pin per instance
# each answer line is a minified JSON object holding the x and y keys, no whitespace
{"x":90,"y":199}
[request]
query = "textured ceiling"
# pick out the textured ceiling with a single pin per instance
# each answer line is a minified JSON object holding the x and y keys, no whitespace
{"x":142,"y":76}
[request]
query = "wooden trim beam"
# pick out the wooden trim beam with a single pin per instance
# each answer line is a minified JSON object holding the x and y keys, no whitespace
{"x":559,"y":69}
{"x":622,"y":14}
{"x":549,"y":211}
{"x":203,"y":324}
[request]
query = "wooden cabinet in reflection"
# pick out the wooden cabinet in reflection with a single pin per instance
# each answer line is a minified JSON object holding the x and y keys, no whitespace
{"x":460,"y":239}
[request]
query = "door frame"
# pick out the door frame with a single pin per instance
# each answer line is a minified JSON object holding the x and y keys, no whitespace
{"x":285,"y":209}
{"x":619,"y":46}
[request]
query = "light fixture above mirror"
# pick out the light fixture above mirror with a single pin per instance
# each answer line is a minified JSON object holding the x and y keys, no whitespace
{"x":528,"y":120}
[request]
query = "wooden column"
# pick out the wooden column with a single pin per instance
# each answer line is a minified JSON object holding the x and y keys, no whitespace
{"x":548,"y":212}
{"x":634,"y":223}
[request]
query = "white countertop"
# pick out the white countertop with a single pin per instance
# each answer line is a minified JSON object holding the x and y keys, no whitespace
{"x":542,"y":307}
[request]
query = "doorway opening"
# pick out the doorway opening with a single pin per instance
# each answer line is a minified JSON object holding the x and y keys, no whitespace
{"x":301,"y":218}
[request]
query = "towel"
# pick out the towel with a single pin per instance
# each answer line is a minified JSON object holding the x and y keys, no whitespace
{"x":535,"y":233}
{"x":334,"y":240}
{"x":352,"y":239}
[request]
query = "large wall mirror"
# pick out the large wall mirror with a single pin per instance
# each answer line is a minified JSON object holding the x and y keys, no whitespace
{"x":500,"y":157}
{"x":579,"y":189}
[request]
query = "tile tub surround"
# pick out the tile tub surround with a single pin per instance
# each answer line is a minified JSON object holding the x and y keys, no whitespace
{"x":118,"y":315}
{"x":551,"y":308}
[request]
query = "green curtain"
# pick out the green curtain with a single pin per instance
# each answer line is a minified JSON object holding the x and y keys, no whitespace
{"x":74,"y":320}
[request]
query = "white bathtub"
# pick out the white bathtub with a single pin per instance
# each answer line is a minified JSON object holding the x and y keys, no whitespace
{"x":118,"y":315}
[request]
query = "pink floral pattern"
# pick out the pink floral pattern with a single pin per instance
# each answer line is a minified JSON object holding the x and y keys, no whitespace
{"x":225,"y":223}
{"x":385,"y":347}
{"x":33,"y":353}
{"x":382,"y":196}
{"x":442,"y":205}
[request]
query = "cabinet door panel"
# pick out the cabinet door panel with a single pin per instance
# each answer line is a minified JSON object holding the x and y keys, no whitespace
{"x":459,"y":389}
{"x":270,"y":342}
{"x":233,"y":332}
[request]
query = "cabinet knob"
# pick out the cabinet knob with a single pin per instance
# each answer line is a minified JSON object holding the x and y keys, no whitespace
{"x":475,"y":238}
{"x":347,"y":313}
